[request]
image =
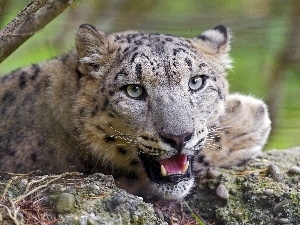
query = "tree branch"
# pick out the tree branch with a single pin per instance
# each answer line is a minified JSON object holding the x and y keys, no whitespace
{"x":13,"y":36}
{"x":30,"y":9}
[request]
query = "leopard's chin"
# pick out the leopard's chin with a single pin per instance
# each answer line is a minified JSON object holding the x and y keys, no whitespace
{"x":173,"y":191}
{"x":170,"y":178}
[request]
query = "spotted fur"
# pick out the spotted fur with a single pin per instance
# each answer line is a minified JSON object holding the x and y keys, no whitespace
{"x":127,"y":103}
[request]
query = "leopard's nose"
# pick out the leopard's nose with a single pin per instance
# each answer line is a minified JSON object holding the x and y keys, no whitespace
{"x":176,"y":141}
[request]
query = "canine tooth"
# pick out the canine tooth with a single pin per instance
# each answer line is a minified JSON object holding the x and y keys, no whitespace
{"x":163,"y":170}
{"x":186,"y":166}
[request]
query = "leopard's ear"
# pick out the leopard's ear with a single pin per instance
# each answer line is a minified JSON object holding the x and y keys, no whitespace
{"x":94,"y":49}
{"x":215,"y":42}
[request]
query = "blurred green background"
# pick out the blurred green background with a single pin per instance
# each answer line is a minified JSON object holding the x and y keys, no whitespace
{"x":265,"y":48}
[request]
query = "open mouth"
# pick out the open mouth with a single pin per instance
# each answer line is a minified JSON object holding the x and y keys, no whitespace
{"x":171,"y":170}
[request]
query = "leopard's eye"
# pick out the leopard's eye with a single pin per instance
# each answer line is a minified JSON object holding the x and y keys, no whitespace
{"x":197,"y":82}
{"x":135,"y":91}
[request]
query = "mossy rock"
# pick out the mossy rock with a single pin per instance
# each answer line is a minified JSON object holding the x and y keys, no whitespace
{"x":264,"y":191}
{"x":257,"y":193}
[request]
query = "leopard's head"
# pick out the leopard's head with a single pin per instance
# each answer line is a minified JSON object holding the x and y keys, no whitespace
{"x":147,"y":99}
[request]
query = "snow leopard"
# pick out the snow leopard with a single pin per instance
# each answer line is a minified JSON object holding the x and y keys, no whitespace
{"x":148,"y":108}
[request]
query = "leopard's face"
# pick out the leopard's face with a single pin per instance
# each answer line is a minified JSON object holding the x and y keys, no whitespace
{"x":158,"y":95}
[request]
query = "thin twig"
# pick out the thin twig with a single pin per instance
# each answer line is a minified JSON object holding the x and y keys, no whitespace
{"x":6,"y":188}
{"x":12,"y":213}
{"x":34,"y":182}
{"x":14,"y":176}
{"x":56,"y":177}
{"x":12,"y":208}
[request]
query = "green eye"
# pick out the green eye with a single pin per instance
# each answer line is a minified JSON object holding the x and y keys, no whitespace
{"x":197,"y":82}
{"x":134,"y":91}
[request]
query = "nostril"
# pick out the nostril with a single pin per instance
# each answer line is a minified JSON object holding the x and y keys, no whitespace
{"x":176,"y":141}
{"x":170,"y":140}
{"x":188,"y":137}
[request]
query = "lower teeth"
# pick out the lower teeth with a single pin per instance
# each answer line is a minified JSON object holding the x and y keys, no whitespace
{"x":164,"y":173}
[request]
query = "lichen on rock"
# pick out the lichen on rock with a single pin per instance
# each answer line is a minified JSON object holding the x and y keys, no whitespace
{"x":264,"y":191}
{"x":101,"y":202}
{"x":74,"y":199}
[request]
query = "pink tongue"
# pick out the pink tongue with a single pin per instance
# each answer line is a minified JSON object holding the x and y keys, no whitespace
{"x":174,"y":164}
